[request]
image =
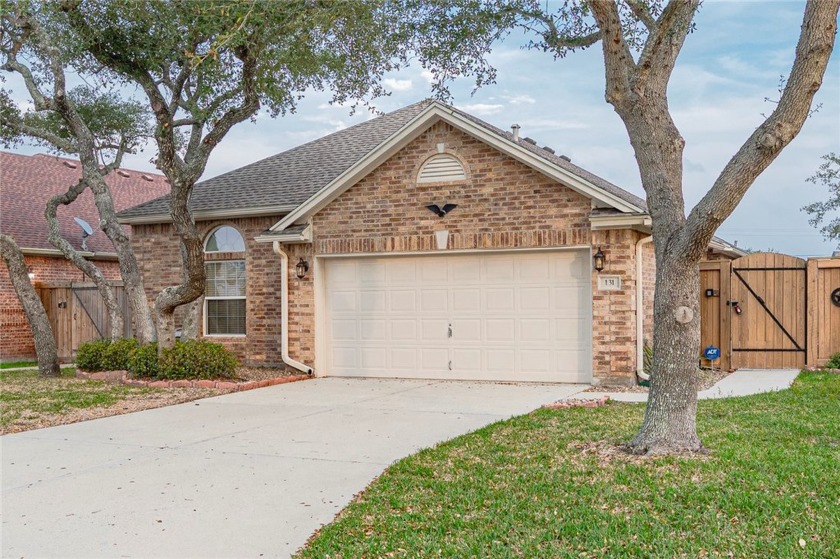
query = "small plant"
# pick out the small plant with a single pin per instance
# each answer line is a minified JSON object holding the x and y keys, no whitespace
{"x":197,"y":359}
{"x":91,"y":355}
{"x":144,"y":363}
{"x":833,"y":361}
{"x":118,"y":354}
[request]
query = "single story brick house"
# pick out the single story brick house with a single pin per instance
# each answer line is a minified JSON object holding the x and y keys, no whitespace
{"x":424,"y":243}
{"x":27,"y":182}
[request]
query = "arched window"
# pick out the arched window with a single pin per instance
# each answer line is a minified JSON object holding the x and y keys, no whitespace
{"x":224,"y":295}
{"x":440,"y":168}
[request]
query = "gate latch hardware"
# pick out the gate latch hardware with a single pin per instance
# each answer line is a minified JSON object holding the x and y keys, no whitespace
{"x":735,"y":306}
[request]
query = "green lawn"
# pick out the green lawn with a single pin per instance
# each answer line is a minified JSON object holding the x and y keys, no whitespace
{"x":17,"y":364}
{"x":551,"y":484}
{"x":27,"y":400}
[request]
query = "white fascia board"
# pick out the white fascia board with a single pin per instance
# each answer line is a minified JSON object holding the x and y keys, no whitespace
{"x":210,"y":214}
{"x":414,"y":128}
{"x":57,"y":253}
{"x":304,"y":236}
{"x":637,"y":221}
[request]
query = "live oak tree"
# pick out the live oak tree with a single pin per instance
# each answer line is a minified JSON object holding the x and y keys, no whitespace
{"x":828,"y":175}
{"x":640,"y":41}
{"x":204,"y":67}
{"x":91,"y":123}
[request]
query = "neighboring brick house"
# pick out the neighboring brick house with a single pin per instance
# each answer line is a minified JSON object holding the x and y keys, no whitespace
{"x":328,"y":257}
{"x":27,"y":182}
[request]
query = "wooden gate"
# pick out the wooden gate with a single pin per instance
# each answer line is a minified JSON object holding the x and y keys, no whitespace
{"x":823,"y":309}
{"x":768,"y":304}
{"x":77,"y":314}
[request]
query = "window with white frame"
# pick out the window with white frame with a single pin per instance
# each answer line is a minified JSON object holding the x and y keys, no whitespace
{"x":224,"y":296}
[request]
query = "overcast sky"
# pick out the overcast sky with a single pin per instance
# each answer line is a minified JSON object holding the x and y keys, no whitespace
{"x":729,"y":66}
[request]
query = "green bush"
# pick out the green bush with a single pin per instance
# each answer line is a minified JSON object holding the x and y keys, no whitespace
{"x":91,"y":355}
{"x":144,"y":363}
{"x":833,"y":361}
{"x":118,"y":354}
{"x":197,"y":359}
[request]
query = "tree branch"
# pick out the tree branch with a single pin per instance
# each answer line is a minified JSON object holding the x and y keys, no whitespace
{"x":641,"y":12}
{"x":664,"y":43}
{"x":618,"y":61}
{"x":816,"y":42}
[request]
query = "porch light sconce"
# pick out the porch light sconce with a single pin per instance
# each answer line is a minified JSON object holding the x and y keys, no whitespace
{"x":598,"y":260}
{"x":30,"y":273}
{"x":301,"y":268}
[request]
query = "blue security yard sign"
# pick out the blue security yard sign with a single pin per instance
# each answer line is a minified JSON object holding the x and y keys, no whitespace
{"x":711,"y":353}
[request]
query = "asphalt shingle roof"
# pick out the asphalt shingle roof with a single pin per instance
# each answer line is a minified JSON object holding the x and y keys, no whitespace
{"x":27,"y":182}
{"x":290,"y":178}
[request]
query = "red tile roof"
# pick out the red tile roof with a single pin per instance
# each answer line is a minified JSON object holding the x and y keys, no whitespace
{"x":27,"y":182}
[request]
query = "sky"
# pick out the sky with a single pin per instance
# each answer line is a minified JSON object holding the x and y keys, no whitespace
{"x":727,"y":70}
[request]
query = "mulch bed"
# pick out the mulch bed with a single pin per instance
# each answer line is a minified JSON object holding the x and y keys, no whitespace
{"x":248,"y":378}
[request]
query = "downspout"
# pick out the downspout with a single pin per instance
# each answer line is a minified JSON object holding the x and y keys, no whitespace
{"x":284,"y":312}
{"x":640,"y":310}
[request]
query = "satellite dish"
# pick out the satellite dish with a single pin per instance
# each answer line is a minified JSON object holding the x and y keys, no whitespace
{"x":87,"y":230}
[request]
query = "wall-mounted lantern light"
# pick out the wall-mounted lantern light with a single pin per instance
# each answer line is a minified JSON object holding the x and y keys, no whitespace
{"x":31,"y":273}
{"x":301,"y":268}
{"x":598,"y":260}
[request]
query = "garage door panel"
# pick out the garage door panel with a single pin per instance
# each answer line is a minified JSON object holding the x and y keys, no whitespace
{"x":467,"y":330}
{"x":535,"y":299}
{"x":435,"y":301}
{"x":513,"y":316}
{"x":466,"y":300}
{"x":374,"y":330}
{"x":434,"y":330}
{"x":373,"y":301}
{"x":499,"y":299}
{"x":403,"y":301}
{"x":500,"y":330}
{"x":343,"y":301}
{"x":403,"y":330}
{"x":535,"y":330}
{"x":404,"y":359}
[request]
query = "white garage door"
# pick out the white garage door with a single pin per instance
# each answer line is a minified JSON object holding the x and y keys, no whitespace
{"x":500,"y":316}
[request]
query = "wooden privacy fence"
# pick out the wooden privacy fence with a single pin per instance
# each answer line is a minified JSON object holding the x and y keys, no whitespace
{"x":770,"y":311}
{"x":77,"y":314}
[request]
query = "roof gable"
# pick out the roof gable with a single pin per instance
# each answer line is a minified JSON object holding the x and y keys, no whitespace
{"x":544,"y":161}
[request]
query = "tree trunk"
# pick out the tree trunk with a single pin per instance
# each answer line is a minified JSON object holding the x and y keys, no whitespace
{"x":87,"y":267}
{"x":141,"y":312}
{"x":42,"y":332}
{"x":192,"y":265}
{"x":192,"y":320}
{"x":670,"y":416}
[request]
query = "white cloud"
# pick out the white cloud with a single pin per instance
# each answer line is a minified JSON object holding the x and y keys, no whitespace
{"x":482,"y":109}
{"x":397,"y":85}
{"x":428,"y":76}
{"x":519,"y":99}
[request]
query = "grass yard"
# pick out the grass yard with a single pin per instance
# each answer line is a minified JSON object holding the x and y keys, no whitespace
{"x":552,"y":484}
{"x":17,"y":364}
{"x":30,"y":402}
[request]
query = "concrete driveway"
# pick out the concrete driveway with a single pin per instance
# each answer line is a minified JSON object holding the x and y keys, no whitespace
{"x":251,"y":474}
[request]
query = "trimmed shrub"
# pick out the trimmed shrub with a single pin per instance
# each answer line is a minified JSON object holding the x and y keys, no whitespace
{"x":117,"y":356}
{"x":91,"y":355}
{"x":833,"y":361}
{"x":197,"y":359}
{"x":144,"y":362}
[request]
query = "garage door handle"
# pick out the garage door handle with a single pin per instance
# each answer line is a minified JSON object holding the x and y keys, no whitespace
{"x":449,"y":333}
{"x":450,"y":365}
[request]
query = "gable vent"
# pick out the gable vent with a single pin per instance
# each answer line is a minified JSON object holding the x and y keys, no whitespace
{"x":441,"y":168}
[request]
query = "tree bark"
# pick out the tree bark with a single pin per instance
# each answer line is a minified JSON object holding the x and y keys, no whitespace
{"x":86,"y":266}
{"x":45,"y":347}
{"x":191,"y":328}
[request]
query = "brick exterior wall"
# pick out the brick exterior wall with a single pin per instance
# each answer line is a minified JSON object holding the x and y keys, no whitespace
{"x":157,"y":250}
{"x":502,"y":204}
{"x":16,"y":341}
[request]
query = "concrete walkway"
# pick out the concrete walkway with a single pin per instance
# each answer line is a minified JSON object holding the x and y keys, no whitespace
{"x":742,"y":382}
{"x":251,"y":474}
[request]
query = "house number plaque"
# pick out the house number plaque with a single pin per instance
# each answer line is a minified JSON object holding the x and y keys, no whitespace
{"x":609,"y":283}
